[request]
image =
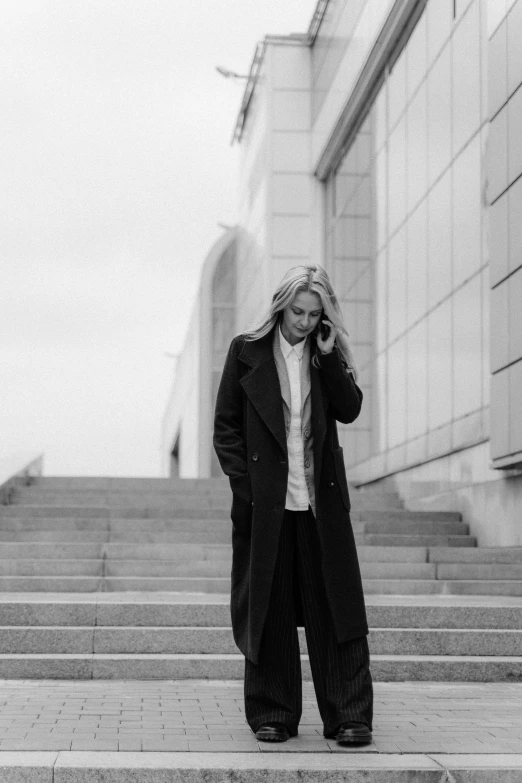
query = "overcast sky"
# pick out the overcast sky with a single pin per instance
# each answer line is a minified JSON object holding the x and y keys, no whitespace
{"x":116,"y":168}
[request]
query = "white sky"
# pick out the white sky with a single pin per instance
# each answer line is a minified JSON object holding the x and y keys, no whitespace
{"x":116,"y":167}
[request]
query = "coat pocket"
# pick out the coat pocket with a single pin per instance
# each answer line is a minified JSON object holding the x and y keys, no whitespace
{"x":341,"y":477}
{"x":241,"y":511}
{"x":240,"y":486}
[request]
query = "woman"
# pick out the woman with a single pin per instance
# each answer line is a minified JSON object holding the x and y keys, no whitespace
{"x":283,"y":387}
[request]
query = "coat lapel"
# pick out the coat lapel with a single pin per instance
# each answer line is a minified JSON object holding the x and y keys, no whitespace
{"x":305,"y":376}
{"x":282,"y":370}
{"x":262,"y":385}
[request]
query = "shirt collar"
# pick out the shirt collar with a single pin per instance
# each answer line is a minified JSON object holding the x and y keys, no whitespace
{"x":286,"y":348}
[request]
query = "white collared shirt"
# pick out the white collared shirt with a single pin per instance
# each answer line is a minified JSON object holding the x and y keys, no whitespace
{"x":296,"y":493}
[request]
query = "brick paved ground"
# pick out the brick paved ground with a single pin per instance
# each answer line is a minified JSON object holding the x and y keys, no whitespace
{"x":472,"y":718}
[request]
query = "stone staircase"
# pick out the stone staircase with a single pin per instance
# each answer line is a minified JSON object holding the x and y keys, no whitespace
{"x":129,"y":579}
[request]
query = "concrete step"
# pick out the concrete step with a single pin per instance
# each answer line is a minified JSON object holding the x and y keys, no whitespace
{"x":402,"y":515}
{"x":488,"y":555}
{"x":185,"y":609}
{"x":414,"y":540}
{"x":64,"y":484}
{"x":51,"y":584}
{"x":427,"y":527}
{"x":398,"y":527}
{"x":211,"y":531}
{"x":247,"y":766}
{"x":50,"y":550}
{"x":27,"y":511}
{"x":91,"y":551}
{"x":189,"y":511}
{"x":180,"y":551}
{"x":388,"y":668}
{"x":123,"y":484}
{"x":115,"y":526}
{"x":60,"y":567}
{"x":481,"y":571}
{"x":217,"y":584}
{"x":220,"y":498}
{"x":216,"y":535}
{"x":90,"y":584}
{"x":64,"y":524}
{"x":221,"y":567}
{"x":219,"y":641}
{"x":116,"y":499}
{"x":148,"y":569}
{"x":65,"y":537}
{"x":443,"y":587}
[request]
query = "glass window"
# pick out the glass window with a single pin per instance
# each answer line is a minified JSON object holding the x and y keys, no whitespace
{"x":397,"y":90}
{"x":417,"y":369}
{"x":417,"y":270}
{"x":499,"y":216}
{"x":380,"y":198}
{"x":467,"y":348}
{"x":397,"y":393}
{"x":381,"y":385}
{"x":416,"y":56}
{"x":514,"y":284}
{"x":498,"y":154}
{"x":466,"y":83}
{"x":379,"y":116}
{"x":514,"y":220}
{"x":364,"y":237}
{"x":439,"y":365}
{"x":439,"y":240}
{"x":381,"y":301}
{"x":514,"y":54}
{"x":515,"y":407}
{"x":417,"y":155}
{"x":397,"y":285}
{"x":364,"y":152}
{"x":439,"y":116}
{"x":467,"y":213}
{"x":495,"y":13}
{"x":409,"y":232}
{"x":361,"y":200}
{"x":340,"y":182}
{"x":345,"y":238}
{"x":397,"y":176}
{"x":485,"y":336}
{"x":346,"y":274}
{"x":514,"y":111}
{"x":223,"y":322}
{"x":364,"y":312}
{"x":439,"y":22}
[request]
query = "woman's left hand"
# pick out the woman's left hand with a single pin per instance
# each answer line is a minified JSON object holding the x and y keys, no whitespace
{"x":326,"y":346}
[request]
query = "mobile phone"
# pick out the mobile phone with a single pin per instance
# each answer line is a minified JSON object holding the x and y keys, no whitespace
{"x":325,"y":331}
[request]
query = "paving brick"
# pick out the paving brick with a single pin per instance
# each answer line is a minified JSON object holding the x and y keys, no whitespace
{"x":96,"y":744}
{"x":167,"y":744}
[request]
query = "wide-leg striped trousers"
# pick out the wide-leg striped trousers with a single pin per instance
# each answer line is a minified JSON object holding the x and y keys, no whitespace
{"x":341,"y":672}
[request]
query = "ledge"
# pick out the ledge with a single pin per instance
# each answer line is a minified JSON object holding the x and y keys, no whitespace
{"x":17,"y":469}
{"x":512,"y":462}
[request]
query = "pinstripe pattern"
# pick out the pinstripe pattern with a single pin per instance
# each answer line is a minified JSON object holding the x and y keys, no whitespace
{"x":341,"y":673}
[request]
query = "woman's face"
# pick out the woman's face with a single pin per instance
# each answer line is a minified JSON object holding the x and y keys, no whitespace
{"x":301,"y":316}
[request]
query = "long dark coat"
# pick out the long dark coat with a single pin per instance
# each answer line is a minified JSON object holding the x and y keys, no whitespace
{"x":250,"y":441}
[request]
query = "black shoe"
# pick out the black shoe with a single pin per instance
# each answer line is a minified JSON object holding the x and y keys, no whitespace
{"x":353,"y":734}
{"x":272,"y":732}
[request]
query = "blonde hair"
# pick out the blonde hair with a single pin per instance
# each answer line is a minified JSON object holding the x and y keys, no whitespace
{"x":314,"y":279}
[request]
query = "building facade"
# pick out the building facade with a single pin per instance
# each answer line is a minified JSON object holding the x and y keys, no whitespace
{"x":186,"y":449}
{"x":386,"y":144}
